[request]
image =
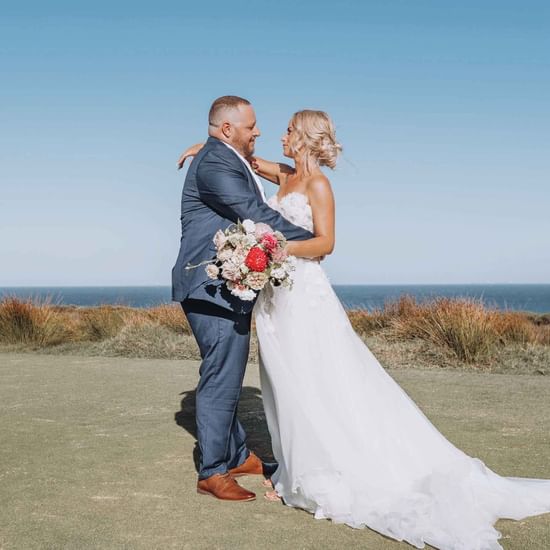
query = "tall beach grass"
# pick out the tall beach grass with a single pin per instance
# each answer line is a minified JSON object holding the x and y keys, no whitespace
{"x":461,"y":328}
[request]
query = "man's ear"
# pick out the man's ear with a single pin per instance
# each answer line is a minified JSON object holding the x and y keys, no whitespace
{"x":226,"y":129}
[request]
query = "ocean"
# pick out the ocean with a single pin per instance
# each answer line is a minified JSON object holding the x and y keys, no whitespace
{"x":521,"y":297}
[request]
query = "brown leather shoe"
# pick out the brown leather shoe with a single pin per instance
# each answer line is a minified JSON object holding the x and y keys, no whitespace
{"x":251,"y":466}
{"x":224,"y":487}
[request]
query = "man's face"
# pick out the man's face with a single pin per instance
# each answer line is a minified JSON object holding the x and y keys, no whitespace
{"x":244,"y":130}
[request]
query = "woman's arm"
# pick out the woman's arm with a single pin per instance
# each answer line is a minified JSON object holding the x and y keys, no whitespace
{"x":275,"y":172}
{"x":321,"y":201}
{"x":190,"y":152}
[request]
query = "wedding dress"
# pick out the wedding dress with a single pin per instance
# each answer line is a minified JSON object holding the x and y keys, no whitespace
{"x":351,"y":445}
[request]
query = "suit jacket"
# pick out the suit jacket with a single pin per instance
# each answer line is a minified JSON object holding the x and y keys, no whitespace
{"x":219,"y":190}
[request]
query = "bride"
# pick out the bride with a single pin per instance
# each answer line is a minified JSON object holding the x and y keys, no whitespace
{"x":350,"y":444}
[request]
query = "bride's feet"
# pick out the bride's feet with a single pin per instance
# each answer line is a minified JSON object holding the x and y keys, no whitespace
{"x":272,"y":496}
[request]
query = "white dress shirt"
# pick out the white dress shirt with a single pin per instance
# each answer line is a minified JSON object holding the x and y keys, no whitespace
{"x":254,"y":175}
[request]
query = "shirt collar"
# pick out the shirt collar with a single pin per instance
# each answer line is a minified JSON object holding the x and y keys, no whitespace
{"x":235,"y":151}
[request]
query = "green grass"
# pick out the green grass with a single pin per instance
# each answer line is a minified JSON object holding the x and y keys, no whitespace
{"x":92,"y":456}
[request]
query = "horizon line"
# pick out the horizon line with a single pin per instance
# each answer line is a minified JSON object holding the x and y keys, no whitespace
{"x":333,"y":284}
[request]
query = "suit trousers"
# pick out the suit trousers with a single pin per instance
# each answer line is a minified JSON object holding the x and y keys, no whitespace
{"x":224,"y":341}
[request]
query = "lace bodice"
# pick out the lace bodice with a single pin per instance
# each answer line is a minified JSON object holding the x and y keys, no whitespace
{"x":295,"y":208}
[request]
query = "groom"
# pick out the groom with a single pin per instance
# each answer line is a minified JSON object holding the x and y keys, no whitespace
{"x":220,"y":188}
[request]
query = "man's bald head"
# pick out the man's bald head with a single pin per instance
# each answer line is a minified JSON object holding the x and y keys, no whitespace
{"x":224,"y":108}
{"x":233,"y":120}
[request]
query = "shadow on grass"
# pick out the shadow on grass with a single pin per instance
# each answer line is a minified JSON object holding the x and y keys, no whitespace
{"x":250,"y":413}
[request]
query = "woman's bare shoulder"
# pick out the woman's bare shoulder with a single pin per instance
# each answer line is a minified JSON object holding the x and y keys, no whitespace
{"x":318,"y":185}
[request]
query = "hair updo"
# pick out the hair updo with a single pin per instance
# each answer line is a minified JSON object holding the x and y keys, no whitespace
{"x":313,"y":137}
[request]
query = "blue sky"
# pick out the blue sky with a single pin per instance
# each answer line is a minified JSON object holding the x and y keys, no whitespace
{"x":442,"y":109}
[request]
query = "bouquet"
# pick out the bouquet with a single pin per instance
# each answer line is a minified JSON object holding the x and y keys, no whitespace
{"x":249,"y":256}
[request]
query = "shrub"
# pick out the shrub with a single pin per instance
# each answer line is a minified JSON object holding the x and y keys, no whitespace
{"x":463,"y":326}
{"x":514,"y":327}
{"x":365,"y":322}
{"x":542,"y":335}
{"x":170,"y":316}
{"x":31,"y":322}
{"x":101,"y":322}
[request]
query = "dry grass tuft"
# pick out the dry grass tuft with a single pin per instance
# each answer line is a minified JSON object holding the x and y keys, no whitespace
{"x":32,"y":322}
{"x":463,"y":326}
{"x":170,"y":316}
{"x":369,"y":322}
{"x":100,"y":323}
{"x":514,"y":327}
{"x":366,"y":323}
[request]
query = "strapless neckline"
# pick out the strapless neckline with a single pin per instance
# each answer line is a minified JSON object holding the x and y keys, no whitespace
{"x":281,"y":199}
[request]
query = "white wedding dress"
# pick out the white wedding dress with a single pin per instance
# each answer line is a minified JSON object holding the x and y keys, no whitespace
{"x":351,"y":445}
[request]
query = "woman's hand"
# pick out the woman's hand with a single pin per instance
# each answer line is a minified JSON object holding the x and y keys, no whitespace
{"x":291,"y":247}
{"x":253,"y":161}
{"x":191,"y":152}
{"x":274,"y":172}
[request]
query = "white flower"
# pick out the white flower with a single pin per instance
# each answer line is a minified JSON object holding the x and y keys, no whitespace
{"x":249,"y":226}
{"x":278,"y":273}
{"x":220,"y":239}
{"x":250,"y":240}
{"x":225,"y":254}
{"x":239,"y":255}
{"x":287,"y":282}
{"x":230,"y":271}
{"x":212,"y":271}
{"x":235,"y":239}
{"x":241,"y":291}
{"x":262,"y":229}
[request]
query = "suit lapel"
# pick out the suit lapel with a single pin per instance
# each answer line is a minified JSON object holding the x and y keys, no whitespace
{"x":251,"y":183}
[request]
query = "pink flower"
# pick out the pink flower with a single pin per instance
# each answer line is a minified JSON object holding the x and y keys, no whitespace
{"x":279,"y":255}
{"x":256,"y":280}
{"x":269,"y":241}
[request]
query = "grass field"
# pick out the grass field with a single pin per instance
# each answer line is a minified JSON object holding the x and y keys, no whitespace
{"x":97,"y":452}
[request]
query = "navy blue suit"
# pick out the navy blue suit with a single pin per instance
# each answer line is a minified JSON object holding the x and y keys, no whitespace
{"x":218,"y":190}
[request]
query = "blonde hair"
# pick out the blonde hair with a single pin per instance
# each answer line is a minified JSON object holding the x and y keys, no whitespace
{"x":313,"y":137}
